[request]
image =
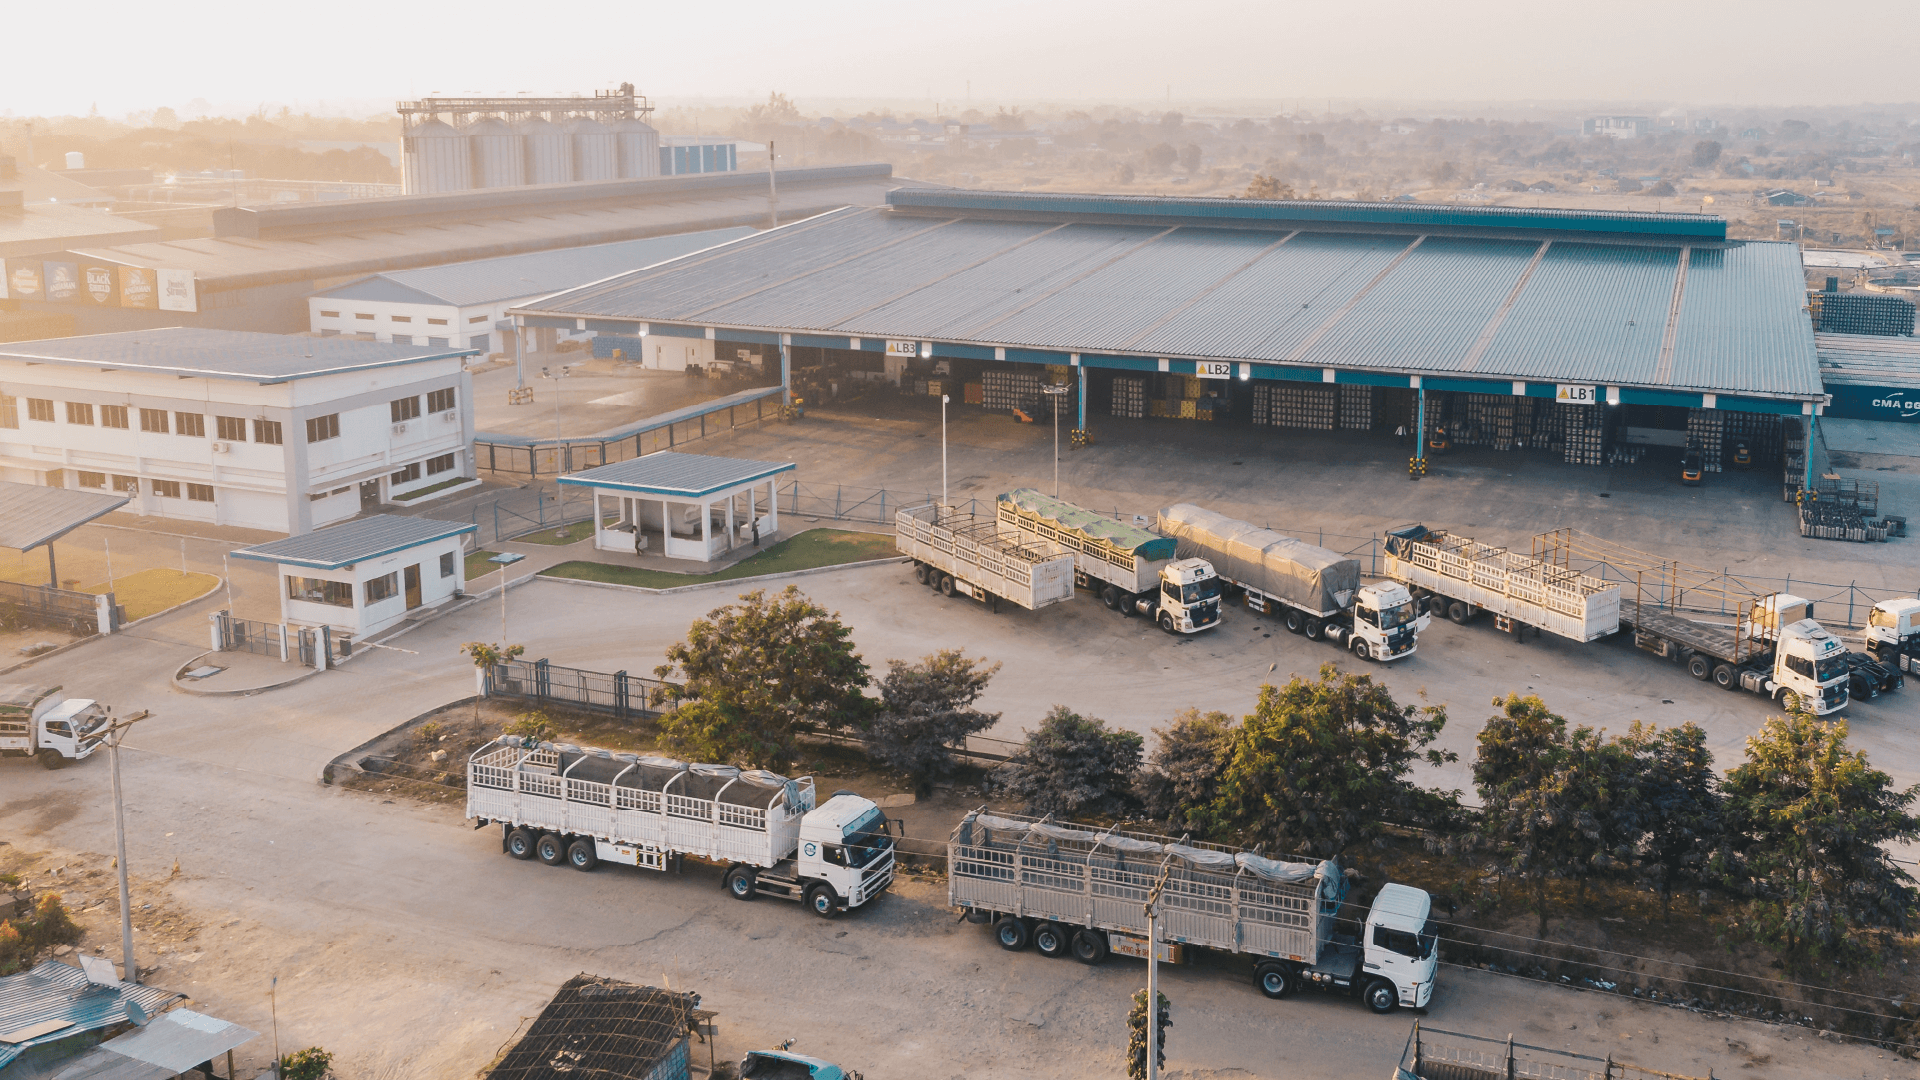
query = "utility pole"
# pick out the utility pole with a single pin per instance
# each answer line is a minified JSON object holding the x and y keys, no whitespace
{"x":944,"y":398}
{"x":1153,"y":972}
{"x":773,"y":196}
{"x":115,"y":732}
{"x":1054,"y":394}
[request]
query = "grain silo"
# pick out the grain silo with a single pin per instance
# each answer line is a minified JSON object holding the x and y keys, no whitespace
{"x":498,"y":160}
{"x":549,"y":158}
{"x":638,"y":146}
{"x":437,"y":159}
{"x":593,"y":150}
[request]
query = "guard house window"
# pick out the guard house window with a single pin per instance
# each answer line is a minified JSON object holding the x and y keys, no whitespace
{"x":113,"y":416}
{"x":446,"y":564}
{"x":383,"y":588}
{"x":9,"y":412}
{"x":440,"y":400}
{"x":267,"y":431}
{"x":191,"y":423}
{"x":405,"y":408}
{"x":443,"y":463}
{"x":231,"y":428}
{"x":329,"y":314}
{"x":405,"y":476}
{"x":127,"y":484}
{"x":322,"y":428}
{"x":154,"y":420}
{"x":40,"y":409}
{"x":166,"y":489}
{"x":79,"y":412}
{"x":93,"y":480}
{"x":200,"y":492}
{"x":319,"y":591}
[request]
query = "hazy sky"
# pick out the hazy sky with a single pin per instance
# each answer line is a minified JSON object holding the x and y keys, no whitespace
{"x":58,"y":58}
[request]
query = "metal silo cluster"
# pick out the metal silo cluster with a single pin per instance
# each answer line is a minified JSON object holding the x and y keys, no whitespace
{"x":463,"y":144}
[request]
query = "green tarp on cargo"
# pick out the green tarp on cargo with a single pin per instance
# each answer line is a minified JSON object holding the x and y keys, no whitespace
{"x":1126,"y":537}
{"x":1308,"y":577}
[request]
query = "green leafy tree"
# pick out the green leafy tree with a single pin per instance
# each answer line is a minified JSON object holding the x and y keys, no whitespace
{"x":1183,"y":775}
{"x":926,"y":710}
{"x":1137,"y":1035}
{"x":1073,"y":765}
{"x":1317,"y":766}
{"x":1269,"y":187}
{"x":1705,"y":153}
{"x":312,"y":1063}
{"x":1810,"y":820}
{"x":485,"y":655}
{"x":1678,"y":805}
{"x":759,"y":672}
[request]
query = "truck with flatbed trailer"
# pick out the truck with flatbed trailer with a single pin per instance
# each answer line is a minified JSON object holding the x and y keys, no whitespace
{"x":581,"y":806}
{"x":1080,"y":890}
{"x":40,"y":722}
{"x":1313,"y":591}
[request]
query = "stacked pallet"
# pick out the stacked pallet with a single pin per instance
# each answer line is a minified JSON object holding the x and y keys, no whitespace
{"x":1865,"y":313}
{"x":1584,"y":434}
{"x":1760,"y":431}
{"x":1523,"y":419}
{"x":1004,"y":391}
{"x":1295,"y":405}
{"x":1549,"y":427}
{"x":1356,"y":408}
{"x":1704,"y":430}
{"x":1129,"y":397}
{"x":1793,"y":457}
{"x":1483,"y":420}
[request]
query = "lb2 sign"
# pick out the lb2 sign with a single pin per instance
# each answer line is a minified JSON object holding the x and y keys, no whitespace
{"x":1577,"y":395}
{"x":1213,"y":369}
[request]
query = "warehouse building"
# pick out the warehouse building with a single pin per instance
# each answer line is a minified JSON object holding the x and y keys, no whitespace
{"x":258,"y":430}
{"x":1598,"y":336}
{"x":1871,"y":377}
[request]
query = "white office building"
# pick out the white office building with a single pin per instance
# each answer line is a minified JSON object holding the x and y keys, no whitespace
{"x":264,"y":431}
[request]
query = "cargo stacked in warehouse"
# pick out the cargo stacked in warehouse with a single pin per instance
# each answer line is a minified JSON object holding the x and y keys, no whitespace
{"x":1584,"y":434}
{"x":1006,"y":390}
{"x":1129,"y":397}
{"x":1758,"y":432}
{"x":1295,"y":405}
{"x":1862,"y":313}
{"x":1356,"y":408}
{"x":1704,"y":429}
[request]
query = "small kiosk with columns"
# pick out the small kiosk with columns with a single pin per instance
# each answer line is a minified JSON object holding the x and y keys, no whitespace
{"x":683,"y":506}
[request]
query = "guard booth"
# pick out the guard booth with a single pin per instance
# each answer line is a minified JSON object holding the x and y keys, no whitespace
{"x":683,"y":506}
{"x":365,"y":575}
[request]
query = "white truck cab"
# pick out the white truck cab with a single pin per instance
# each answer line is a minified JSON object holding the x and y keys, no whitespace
{"x":1400,"y":947}
{"x":36,"y":721}
{"x":1386,"y":618}
{"x":1893,"y":631}
{"x":1189,"y":597}
{"x":845,"y":843}
{"x":1810,"y":668}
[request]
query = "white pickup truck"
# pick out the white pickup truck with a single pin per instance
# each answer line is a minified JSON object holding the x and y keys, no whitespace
{"x":37,"y":721}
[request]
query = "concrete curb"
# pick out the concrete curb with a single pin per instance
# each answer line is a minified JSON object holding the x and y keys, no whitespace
{"x":305,"y":674}
{"x":542,"y":575}
{"x":348,"y":760}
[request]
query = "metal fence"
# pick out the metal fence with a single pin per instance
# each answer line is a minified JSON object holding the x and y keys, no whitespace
{"x":617,"y":692}
{"x":248,"y":635}
{"x":1432,"y":1054}
{"x":536,"y":458}
{"x":78,"y":613}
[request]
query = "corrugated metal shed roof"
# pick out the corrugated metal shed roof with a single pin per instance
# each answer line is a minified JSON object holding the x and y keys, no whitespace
{"x":1521,"y":301}
{"x":355,"y":541}
{"x":180,"y":1040}
{"x":489,"y":281}
{"x":224,"y":354}
{"x":54,"y":992}
{"x":32,"y":515}
{"x":669,"y":473}
{"x":1868,"y":360}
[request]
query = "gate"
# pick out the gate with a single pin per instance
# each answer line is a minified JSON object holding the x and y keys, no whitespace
{"x":78,"y":613}
{"x":617,"y":692}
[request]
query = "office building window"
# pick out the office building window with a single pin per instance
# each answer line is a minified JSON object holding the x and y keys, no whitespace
{"x":446,"y":564}
{"x":329,"y":314}
{"x":401,"y":318}
{"x":93,"y":480}
{"x":128,"y":485}
{"x":154,"y":420}
{"x":79,"y":412}
{"x":322,"y":428}
{"x":443,"y":463}
{"x":191,"y":423}
{"x":169,"y":489}
{"x":438,"y":342}
{"x":436,"y":322}
{"x":113,"y":416}
{"x":477,"y":319}
{"x":369,"y":318}
{"x":383,"y":588}
{"x":231,"y":428}
{"x":405,"y":408}
{"x":440,"y":400}
{"x":200,"y":492}
{"x":266,"y":431}
{"x":405,"y":476}
{"x":312,"y":590}
{"x":9,"y":412}
{"x":40,"y":409}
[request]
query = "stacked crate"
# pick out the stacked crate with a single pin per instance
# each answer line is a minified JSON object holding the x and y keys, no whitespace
{"x":1295,"y":405}
{"x":1356,"y":408}
{"x":1524,"y":412}
{"x":1549,"y":427}
{"x":1584,"y":434}
{"x":1864,"y":313}
{"x":1793,"y":457}
{"x":1704,"y":429}
{"x":1004,"y":391}
{"x":1484,"y":420}
{"x":1760,"y":431}
{"x":1129,"y":397}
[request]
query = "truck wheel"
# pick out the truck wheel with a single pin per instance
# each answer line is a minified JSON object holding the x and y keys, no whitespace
{"x":1011,"y":933}
{"x":1699,"y":667}
{"x":920,"y":572}
{"x":51,"y":760}
{"x":1361,"y":650}
{"x":1294,"y":621}
{"x":1459,"y":612}
{"x":1381,"y":997}
{"x":822,"y":901}
{"x":1090,"y":946}
{"x":1050,"y":940}
{"x":582,"y":856}
{"x":946,"y":585}
{"x":1274,"y":980}
{"x":1790,"y":701}
{"x":1725,"y":678}
{"x":1166,"y":622}
{"x":1313,"y":629}
{"x":1110,"y":596}
{"x":551,"y":849}
{"x":520,"y":844}
{"x":740,"y":883}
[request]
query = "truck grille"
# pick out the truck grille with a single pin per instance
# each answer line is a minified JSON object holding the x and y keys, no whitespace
{"x":877,"y":877}
{"x":1834,"y":695}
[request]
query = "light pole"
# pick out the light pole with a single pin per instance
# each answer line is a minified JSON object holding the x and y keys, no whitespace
{"x":504,"y":559}
{"x":115,"y":732}
{"x":943,"y":449}
{"x":1056,"y":392}
{"x":1153,"y":972}
{"x":556,"y":376}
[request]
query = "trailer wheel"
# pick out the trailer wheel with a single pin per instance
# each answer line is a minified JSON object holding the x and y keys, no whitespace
{"x":1011,"y":933}
{"x":1725,"y":678}
{"x":520,"y":844}
{"x":946,"y":585}
{"x":920,"y":572}
{"x":1090,"y":946}
{"x":1459,"y":612}
{"x":740,"y":883}
{"x":1274,"y":980}
{"x":551,"y":849}
{"x":1294,"y":621}
{"x":582,"y":856}
{"x":1361,"y":650}
{"x":821,"y":899}
{"x":1050,"y":940}
{"x":1699,"y":667}
{"x":1110,"y":596}
{"x":1381,"y":997}
{"x":51,"y":760}
{"x":1313,"y":629}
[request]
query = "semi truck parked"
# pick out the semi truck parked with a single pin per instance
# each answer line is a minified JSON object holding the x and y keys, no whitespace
{"x":1081,"y":891}
{"x":581,"y":806}
{"x":1893,"y":633}
{"x":39,"y":722}
{"x":1313,"y":591}
{"x":1132,"y":570}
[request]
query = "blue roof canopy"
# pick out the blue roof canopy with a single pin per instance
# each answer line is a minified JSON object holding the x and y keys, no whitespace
{"x":355,"y":541}
{"x":57,"y":1000}
{"x":687,"y":476}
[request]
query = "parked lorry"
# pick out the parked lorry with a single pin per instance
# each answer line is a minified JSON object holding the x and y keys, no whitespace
{"x":582,"y":806}
{"x":1313,"y":591}
{"x":1772,"y":646}
{"x":781,"y":1063}
{"x":1081,"y":890}
{"x":1893,"y":633}
{"x":40,"y":722}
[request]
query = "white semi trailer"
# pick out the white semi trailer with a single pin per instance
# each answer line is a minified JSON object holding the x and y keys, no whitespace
{"x":1081,"y":890}
{"x":1132,"y":570}
{"x":582,"y":806}
{"x":1313,"y":591}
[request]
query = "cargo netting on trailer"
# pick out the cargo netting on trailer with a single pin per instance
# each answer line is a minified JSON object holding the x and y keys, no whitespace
{"x":1065,"y":517}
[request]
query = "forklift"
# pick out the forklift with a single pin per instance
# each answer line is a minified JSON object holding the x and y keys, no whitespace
{"x":1693,"y":465}
{"x":1742,"y":456}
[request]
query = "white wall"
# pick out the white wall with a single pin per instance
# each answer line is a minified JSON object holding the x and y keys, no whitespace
{"x":459,"y":326}
{"x":675,"y":353}
{"x":363,"y":618}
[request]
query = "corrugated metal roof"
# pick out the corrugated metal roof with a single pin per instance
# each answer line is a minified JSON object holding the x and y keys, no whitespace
{"x":32,"y":515}
{"x":1868,"y":360}
{"x":224,"y":354}
{"x":489,"y":281}
{"x":669,"y":473}
{"x":1489,"y":303}
{"x":54,"y":992}
{"x":180,"y":1040}
{"x":355,"y":541}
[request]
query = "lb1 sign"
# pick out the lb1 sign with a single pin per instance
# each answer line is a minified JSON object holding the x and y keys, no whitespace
{"x":1213,"y":369}
{"x":1577,"y":395}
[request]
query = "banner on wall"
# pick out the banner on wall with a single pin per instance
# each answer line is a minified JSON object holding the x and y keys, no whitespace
{"x":136,"y":288}
{"x":97,"y":285}
{"x":63,"y":281}
{"x":23,"y":279}
{"x":176,"y":290}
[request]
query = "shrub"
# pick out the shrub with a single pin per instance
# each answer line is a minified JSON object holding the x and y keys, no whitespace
{"x":14,"y":952}
{"x":312,"y":1063}
{"x":1183,"y":774}
{"x":534,"y":726}
{"x":51,"y":925}
{"x":1073,"y":765}
{"x":926,"y":709}
{"x":429,"y":733}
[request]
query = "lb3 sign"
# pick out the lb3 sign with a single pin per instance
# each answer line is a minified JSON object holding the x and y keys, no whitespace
{"x":1213,"y":369}
{"x":907,"y":349}
{"x":1577,"y":395}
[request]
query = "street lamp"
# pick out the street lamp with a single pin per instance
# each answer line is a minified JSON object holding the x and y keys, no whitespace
{"x":1056,"y":392}
{"x":504,"y":559}
{"x":556,"y":376}
{"x":115,"y":732}
{"x":943,"y":450}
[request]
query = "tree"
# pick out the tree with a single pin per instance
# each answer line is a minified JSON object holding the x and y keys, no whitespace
{"x":1072,"y":765}
{"x":1663,"y":189}
{"x":926,"y":709}
{"x":1809,"y":819}
{"x":1705,"y":153}
{"x":1183,"y":775}
{"x":1678,"y":804}
{"x":484,"y":656}
{"x":1123,"y":174}
{"x":1444,"y":173}
{"x":312,"y":1063}
{"x":1317,"y":766}
{"x":164,"y":117}
{"x":1268,"y":187}
{"x":1190,"y":157}
{"x":1137,"y":1034}
{"x":1161,"y":156}
{"x":757,"y":673}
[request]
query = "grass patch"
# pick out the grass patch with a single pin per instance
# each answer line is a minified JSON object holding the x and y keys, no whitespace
{"x":478,"y":566}
{"x":810,"y":549}
{"x":430,"y":489}
{"x":150,"y":592}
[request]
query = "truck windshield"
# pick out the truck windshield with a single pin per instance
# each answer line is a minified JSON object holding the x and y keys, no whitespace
{"x":1200,"y":590}
{"x":1396,"y":615}
{"x":1831,"y":666}
{"x":1419,"y":946}
{"x":867,"y":838}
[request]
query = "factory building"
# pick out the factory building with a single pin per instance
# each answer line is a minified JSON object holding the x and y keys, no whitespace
{"x":1598,"y":336}
{"x":466,"y":144}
